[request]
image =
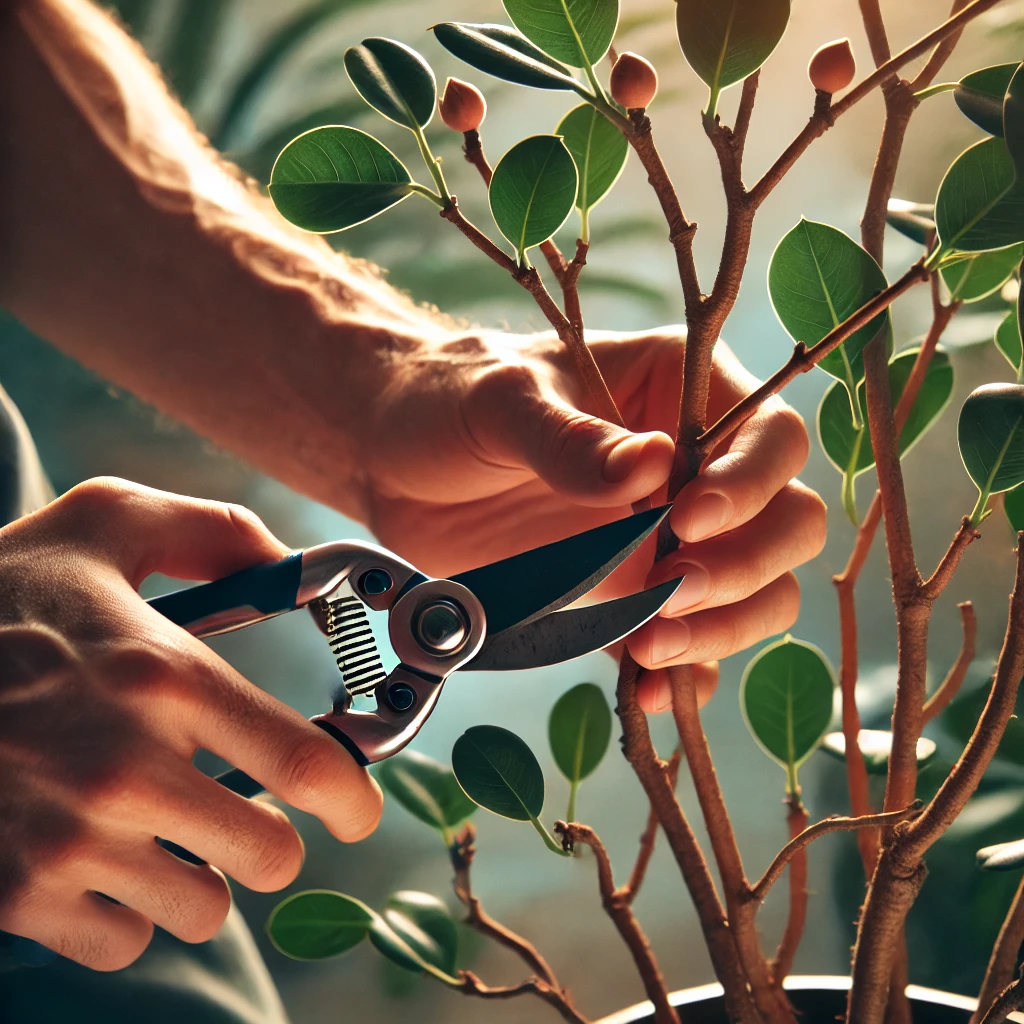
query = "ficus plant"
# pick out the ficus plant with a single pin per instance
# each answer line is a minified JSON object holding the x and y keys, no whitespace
{"x":881,"y":393}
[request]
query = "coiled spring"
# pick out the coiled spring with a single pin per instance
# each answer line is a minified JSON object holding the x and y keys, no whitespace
{"x":351,"y":640}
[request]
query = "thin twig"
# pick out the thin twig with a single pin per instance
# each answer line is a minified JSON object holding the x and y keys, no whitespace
{"x":939,"y":580}
{"x":948,"y":688}
{"x":1004,"y":960}
{"x":473,"y":986}
{"x":796,"y":819}
{"x":649,"y":836}
{"x":616,"y":903}
{"x":835,"y":823}
{"x":940,"y":55}
{"x":1010,"y":999}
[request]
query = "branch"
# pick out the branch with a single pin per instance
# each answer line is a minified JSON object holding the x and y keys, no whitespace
{"x":874,"y":27}
{"x":745,"y":109}
{"x":473,"y":986}
{"x":1010,"y":999}
{"x":937,"y":582}
{"x":649,"y":835}
{"x":1003,"y":963}
{"x":473,"y":151}
{"x":947,"y":689}
{"x":781,"y":966}
{"x":835,"y":823}
{"x":940,"y":55}
{"x":616,"y":903}
{"x":804,"y":358}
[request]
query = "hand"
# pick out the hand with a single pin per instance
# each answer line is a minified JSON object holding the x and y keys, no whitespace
{"x":103,"y":703}
{"x":478,"y":449}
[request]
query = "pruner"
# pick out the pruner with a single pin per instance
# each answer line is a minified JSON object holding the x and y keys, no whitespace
{"x":502,"y":616}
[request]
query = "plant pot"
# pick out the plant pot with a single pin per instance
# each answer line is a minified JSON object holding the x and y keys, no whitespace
{"x":818,"y":999}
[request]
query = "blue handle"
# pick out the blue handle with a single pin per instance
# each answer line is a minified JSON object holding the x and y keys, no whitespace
{"x":269,"y":589}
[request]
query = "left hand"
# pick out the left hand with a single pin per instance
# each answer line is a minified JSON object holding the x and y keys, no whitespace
{"x":479,"y":449}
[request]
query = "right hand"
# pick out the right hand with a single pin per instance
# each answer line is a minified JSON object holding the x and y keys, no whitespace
{"x":104,"y":702}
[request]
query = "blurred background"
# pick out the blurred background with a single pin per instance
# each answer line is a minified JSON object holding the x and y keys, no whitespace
{"x":255,"y":73}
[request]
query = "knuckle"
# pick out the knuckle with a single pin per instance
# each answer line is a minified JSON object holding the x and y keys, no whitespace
{"x":101,"y":496}
{"x":275,"y":860}
{"x":242,"y":520}
{"x":311,"y":769}
{"x":207,"y":912}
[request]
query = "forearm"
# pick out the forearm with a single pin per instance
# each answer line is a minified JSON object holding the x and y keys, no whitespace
{"x":132,"y":247}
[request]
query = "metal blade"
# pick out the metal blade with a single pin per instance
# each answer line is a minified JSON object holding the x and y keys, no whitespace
{"x":519,"y":589}
{"x":563,"y":636}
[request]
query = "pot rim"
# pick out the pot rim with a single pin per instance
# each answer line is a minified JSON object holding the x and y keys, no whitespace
{"x":837,"y":982}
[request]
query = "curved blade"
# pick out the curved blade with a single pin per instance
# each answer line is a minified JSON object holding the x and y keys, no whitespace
{"x":522,"y":588}
{"x":563,"y":636}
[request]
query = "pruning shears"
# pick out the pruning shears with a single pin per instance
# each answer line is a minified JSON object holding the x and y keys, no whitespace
{"x":502,"y":616}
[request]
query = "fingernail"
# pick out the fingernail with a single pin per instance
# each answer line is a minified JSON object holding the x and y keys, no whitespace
{"x":620,"y":461}
{"x":663,"y":696}
{"x":708,"y":514}
{"x":671,"y":639}
{"x":695,"y":587}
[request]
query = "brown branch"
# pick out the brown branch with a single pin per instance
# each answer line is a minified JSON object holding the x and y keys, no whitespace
{"x":782,"y":965}
{"x":473,"y":151}
{"x":874,"y":27}
{"x":937,"y":582}
{"x":649,"y":836}
{"x":473,"y":986}
{"x":835,"y":823}
{"x":745,"y":110}
{"x":940,"y":54}
{"x":804,"y":358}
{"x":947,"y":689}
{"x":1002,"y":965}
{"x":1010,"y":999}
{"x":616,"y":903}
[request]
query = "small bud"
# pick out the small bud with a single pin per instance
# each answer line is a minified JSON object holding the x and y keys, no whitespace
{"x":633,"y":81}
{"x":462,"y":107}
{"x":832,"y":67}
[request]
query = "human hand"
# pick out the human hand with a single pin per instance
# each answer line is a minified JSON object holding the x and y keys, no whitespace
{"x":103,"y":703}
{"x":478,"y":449}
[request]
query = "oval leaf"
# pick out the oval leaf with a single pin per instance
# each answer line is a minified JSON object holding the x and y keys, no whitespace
{"x":576,"y":32}
{"x":978,"y":276}
{"x":819,"y":276}
{"x":849,"y":448}
{"x":499,"y":772}
{"x":394,"y":79}
{"x":978,"y":206}
{"x":786,"y":698}
{"x":979,"y":96}
{"x":875,"y":745}
{"x":317,"y":924}
{"x":1013,"y":120}
{"x":419,"y":923}
{"x":332,"y":178}
{"x":726,"y":40}
{"x":1013,"y":506}
{"x":990,"y":433}
{"x":1002,"y":856}
{"x":426,"y":789}
{"x":532,"y":191}
{"x":579,"y":730}
{"x":504,"y":53}
{"x":598,"y":149}
{"x":1008,"y":340}
{"x":915,"y":220}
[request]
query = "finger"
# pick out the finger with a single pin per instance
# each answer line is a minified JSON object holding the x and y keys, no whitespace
{"x":144,"y":530}
{"x":768,"y":450}
{"x":81,"y":926}
{"x":725,"y":569}
{"x":519,"y":422}
{"x":718,"y":632}
{"x":654,"y":691}
{"x":191,"y":901}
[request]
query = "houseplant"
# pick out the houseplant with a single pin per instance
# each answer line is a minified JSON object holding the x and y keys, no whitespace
{"x":832,"y":297}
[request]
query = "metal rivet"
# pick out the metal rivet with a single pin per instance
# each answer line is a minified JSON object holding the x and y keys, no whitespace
{"x":375,"y":582}
{"x":401,"y":697}
{"x":441,"y":626}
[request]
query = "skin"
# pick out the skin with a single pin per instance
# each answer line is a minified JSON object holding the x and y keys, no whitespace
{"x":455,"y":447}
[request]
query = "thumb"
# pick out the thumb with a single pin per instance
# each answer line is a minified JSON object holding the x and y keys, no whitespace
{"x":587,"y":459}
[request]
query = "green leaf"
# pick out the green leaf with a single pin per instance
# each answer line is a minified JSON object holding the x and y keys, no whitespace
{"x":1002,"y":856}
{"x":317,"y":924}
{"x":599,"y":151}
{"x":990,"y":433}
{"x":726,"y":40}
{"x":499,"y":772}
{"x":786,"y":698}
{"x":875,"y":745}
{"x":915,"y":220}
{"x":579,"y":730}
{"x":978,"y":206}
{"x":533,"y":191}
{"x":394,"y":79}
{"x":421,"y":924}
{"x":576,"y":32}
{"x":819,"y":276}
{"x":849,"y":449}
{"x":426,"y":789}
{"x":1013,"y":506}
{"x":979,"y":96}
{"x":1013,"y":120}
{"x":1008,"y":340}
{"x":504,"y":53}
{"x":329,"y":179}
{"x":977,"y":276}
